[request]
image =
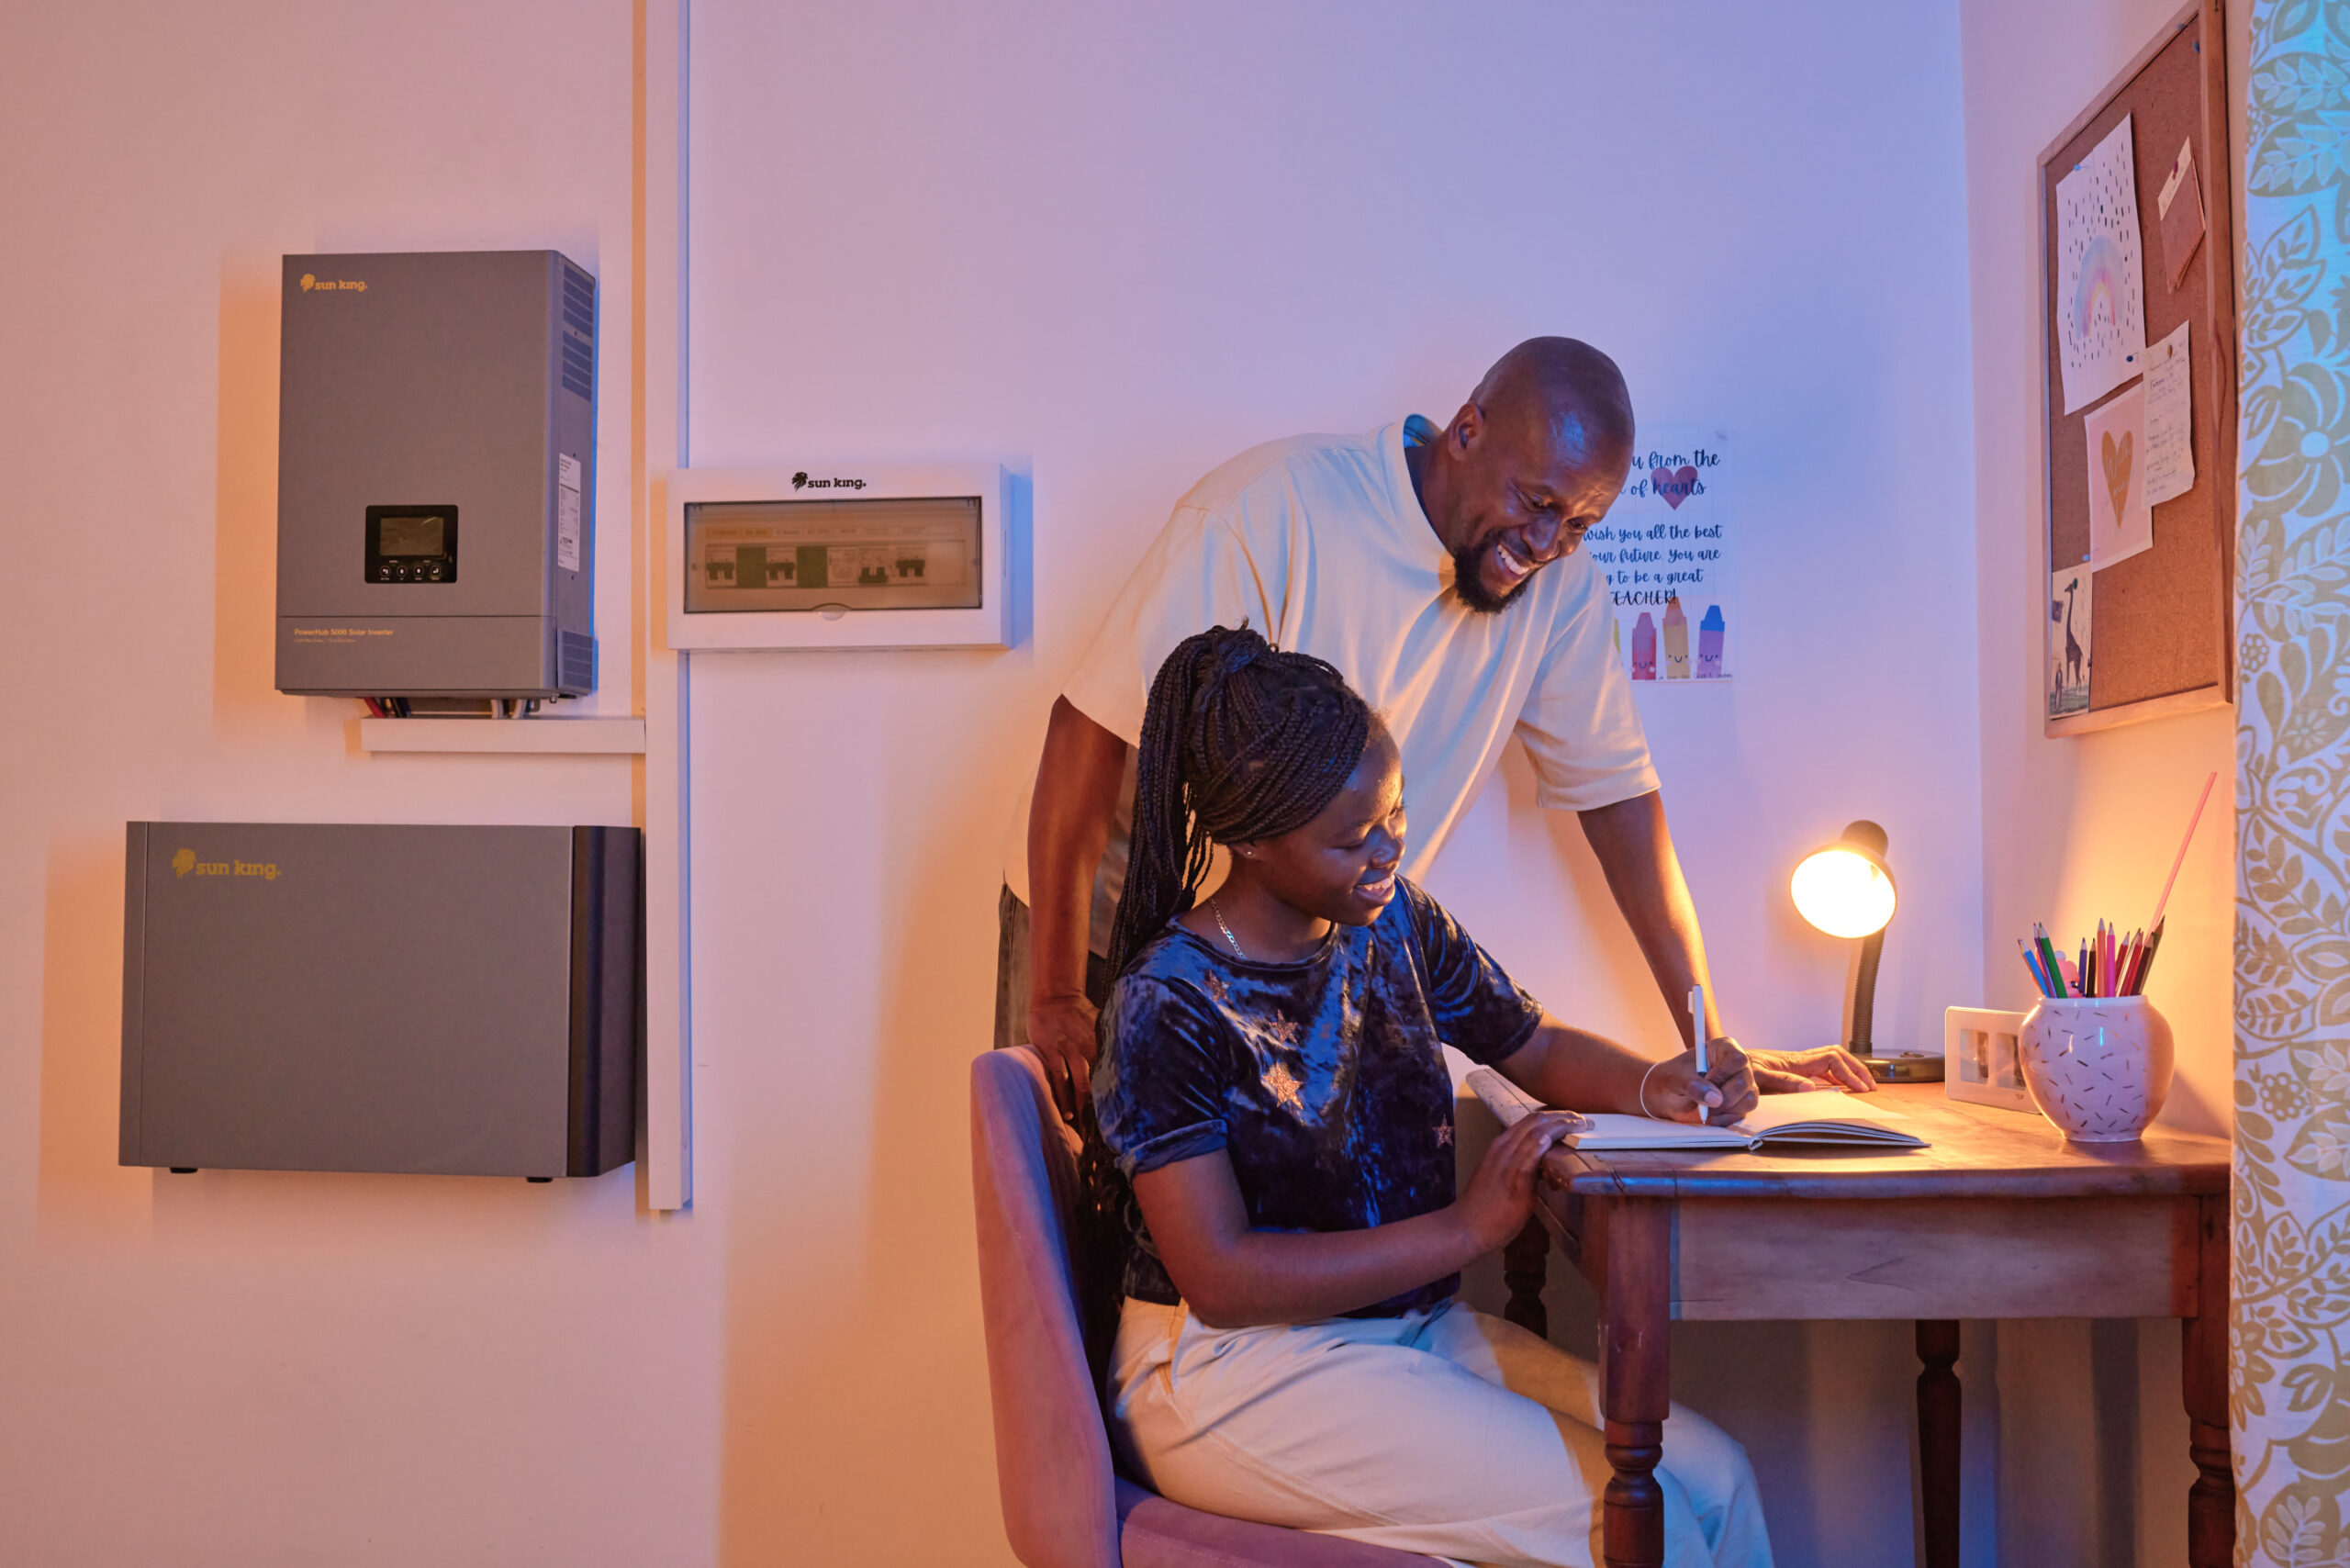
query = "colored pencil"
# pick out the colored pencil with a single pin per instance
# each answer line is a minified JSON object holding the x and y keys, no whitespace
{"x":2032,"y":966}
{"x":2146,"y":964}
{"x":2164,"y":902}
{"x":2048,"y":960}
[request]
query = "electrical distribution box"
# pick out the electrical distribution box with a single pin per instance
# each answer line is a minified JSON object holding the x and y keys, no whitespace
{"x":462,"y":1000}
{"x":850,"y":556}
{"x":436,"y":473}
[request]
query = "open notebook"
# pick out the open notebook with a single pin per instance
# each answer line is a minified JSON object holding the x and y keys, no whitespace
{"x":1815,"y":1116}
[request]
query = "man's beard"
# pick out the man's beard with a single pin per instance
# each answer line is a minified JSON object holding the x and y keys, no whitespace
{"x":1469,"y":581}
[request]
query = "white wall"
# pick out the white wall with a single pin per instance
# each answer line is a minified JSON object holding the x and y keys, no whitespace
{"x":1112,"y":247}
{"x":247,"y":1368}
{"x":2082,"y":828}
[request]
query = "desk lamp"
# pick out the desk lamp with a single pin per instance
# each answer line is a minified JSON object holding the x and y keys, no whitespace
{"x":1846,"y":890}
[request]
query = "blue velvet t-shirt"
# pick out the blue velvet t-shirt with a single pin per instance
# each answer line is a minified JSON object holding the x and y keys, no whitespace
{"x":1321,"y":1079}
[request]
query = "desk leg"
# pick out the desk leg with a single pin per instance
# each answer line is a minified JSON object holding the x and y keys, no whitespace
{"x":1938,"y":1427}
{"x":1525,"y":1266}
{"x":1635,"y":1343}
{"x":2211,"y":1501}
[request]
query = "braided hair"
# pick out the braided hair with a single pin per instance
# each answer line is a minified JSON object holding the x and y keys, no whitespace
{"x":1240,"y":741}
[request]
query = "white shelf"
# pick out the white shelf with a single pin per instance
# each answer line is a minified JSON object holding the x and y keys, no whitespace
{"x":611,"y":736}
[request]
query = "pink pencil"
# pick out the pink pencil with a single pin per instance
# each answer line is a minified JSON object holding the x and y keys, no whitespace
{"x":2191,"y":823}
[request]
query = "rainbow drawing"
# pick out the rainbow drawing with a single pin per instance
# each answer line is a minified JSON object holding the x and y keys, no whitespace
{"x":2099,"y":281}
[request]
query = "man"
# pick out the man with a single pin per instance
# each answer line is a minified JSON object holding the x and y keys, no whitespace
{"x":1439,"y":571}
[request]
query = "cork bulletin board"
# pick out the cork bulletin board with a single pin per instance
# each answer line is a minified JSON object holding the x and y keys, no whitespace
{"x":2161,"y":641}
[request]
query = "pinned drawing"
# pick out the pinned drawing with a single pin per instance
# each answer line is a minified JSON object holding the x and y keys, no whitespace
{"x":2121,"y":520}
{"x":2068,"y":641}
{"x":2101,"y":276}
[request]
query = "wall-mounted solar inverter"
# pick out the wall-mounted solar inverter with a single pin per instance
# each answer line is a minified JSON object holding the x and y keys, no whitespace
{"x":464,"y":1001}
{"x":436,"y":470}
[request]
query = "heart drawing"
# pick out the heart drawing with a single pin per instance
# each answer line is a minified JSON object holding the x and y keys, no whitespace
{"x":2117,"y":473}
{"x":1675,"y":484}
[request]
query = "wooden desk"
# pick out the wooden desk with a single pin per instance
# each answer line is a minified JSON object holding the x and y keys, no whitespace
{"x":2000,"y":1218}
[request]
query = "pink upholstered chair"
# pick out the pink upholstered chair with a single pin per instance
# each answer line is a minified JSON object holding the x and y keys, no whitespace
{"x":1063,"y":1505}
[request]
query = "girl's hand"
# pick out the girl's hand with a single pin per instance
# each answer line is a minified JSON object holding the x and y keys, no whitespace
{"x":1500,"y":1196}
{"x":1673,"y":1092}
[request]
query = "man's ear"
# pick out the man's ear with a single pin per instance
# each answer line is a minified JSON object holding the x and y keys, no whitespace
{"x":1468,"y":427}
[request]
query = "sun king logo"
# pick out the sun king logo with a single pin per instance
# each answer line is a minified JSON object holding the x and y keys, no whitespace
{"x":800,"y":481}
{"x":186,"y":861}
{"x":310,"y":281}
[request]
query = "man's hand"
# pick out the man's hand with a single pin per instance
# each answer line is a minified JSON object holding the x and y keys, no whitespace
{"x":1061,"y":1029}
{"x":1069,"y":823}
{"x":1830,"y":1067}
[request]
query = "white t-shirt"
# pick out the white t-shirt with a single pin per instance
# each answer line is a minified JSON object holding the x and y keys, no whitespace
{"x":1319,"y":543}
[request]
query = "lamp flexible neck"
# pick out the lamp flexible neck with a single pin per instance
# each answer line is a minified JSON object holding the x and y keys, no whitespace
{"x":1862,"y":1027}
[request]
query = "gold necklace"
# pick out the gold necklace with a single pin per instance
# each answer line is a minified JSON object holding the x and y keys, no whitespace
{"x":1229,"y":936}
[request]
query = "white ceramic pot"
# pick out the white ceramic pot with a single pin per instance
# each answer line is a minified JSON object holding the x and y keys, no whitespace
{"x":2098,"y":1067}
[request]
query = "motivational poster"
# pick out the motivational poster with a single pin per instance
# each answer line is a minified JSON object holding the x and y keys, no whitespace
{"x":1664,"y":548}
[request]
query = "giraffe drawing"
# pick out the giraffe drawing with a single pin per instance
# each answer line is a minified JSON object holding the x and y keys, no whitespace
{"x":2072,"y":644}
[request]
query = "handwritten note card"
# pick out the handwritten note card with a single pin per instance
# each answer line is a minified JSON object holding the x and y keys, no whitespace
{"x":2170,"y":423}
{"x":1664,"y":547}
{"x":2101,"y":276}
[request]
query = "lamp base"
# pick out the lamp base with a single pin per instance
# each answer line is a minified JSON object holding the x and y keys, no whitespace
{"x":1905,"y":1066}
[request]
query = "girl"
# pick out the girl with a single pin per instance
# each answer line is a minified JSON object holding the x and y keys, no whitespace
{"x":1289,"y":1349}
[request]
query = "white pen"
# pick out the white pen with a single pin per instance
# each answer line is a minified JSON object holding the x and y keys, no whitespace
{"x":1697,"y":1028}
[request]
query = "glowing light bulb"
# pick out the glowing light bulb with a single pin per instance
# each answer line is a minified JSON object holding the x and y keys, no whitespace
{"x":1843,"y":891}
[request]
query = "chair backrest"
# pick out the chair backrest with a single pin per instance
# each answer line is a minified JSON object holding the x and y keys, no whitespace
{"x":1052,"y":1457}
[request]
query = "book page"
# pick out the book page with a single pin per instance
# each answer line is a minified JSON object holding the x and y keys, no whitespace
{"x":1611,"y":1129}
{"x":1776,"y":1111}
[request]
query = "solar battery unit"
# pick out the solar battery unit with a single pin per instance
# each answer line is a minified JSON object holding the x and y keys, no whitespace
{"x":462,"y":1000}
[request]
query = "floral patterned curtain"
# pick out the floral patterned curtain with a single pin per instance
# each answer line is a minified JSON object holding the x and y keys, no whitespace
{"x":2289,"y":1389}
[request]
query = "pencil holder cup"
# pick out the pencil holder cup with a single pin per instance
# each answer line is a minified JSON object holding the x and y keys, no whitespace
{"x":2098,"y":1067}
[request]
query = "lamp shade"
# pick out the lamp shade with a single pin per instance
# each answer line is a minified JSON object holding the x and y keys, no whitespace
{"x":1843,"y":888}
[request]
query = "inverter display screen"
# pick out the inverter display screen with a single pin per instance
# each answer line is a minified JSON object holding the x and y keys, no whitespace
{"x":409,"y":535}
{"x":919,"y":552}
